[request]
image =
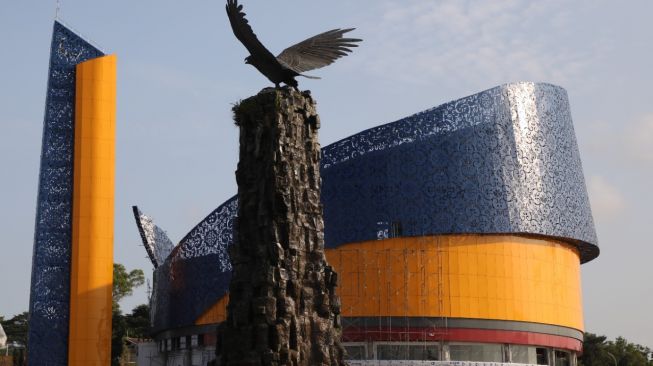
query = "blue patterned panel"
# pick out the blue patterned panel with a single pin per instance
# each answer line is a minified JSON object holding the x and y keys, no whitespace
{"x":50,"y":288}
{"x":197,"y":272}
{"x":503,"y":161}
{"x":184,"y":289}
{"x":212,"y":235}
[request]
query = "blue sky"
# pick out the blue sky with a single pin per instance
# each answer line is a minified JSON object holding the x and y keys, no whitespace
{"x":180,"y":70}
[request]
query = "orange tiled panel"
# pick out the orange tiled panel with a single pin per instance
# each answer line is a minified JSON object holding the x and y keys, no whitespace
{"x":461,"y":276}
{"x":216,"y":314}
{"x":93,"y":213}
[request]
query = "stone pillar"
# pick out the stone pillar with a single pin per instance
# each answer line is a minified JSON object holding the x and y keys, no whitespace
{"x":283,"y":309}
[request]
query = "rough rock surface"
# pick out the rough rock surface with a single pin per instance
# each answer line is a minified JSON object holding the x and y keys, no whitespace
{"x":283,"y":309}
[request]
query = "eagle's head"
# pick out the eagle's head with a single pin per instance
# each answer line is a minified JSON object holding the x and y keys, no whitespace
{"x":248,"y":60}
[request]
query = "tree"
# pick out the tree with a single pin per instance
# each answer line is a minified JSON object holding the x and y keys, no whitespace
{"x":594,"y":351}
{"x":16,"y":331}
{"x":16,"y":328}
{"x":598,"y":351}
{"x":124,"y":283}
{"x":118,"y":330}
{"x":629,"y":354}
{"x":138,"y":322}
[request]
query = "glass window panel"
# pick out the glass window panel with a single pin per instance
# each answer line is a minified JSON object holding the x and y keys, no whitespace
{"x":523,"y":354}
{"x":392,"y":352}
{"x":475,"y":352}
{"x":197,"y":359}
{"x":542,"y":356}
{"x":460,"y":352}
{"x":561,"y":358}
{"x":355,"y":352}
{"x":424,"y":352}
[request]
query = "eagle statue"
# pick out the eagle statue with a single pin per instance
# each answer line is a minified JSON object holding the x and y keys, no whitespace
{"x":313,"y":53}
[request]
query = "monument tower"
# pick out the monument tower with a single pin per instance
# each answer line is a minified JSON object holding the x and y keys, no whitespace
{"x":72,"y":263}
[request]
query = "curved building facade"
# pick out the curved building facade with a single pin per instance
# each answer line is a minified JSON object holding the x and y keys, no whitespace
{"x":458,"y":235}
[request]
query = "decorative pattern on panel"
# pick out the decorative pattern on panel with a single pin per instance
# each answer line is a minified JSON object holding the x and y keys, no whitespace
{"x":212,"y":235}
{"x":50,"y":288}
{"x":501,"y":161}
{"x":156,"y":241}
{"x":197,"y":272}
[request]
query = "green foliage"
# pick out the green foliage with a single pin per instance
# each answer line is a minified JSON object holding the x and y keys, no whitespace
{"x":16,"y":328}
{"x":119,"y":329}
{"x":594,"y":352}
{"x":134,"y":325}
{"x":598,"y":351}
{"x":125,"y":282}
{"x":628,"y":354}
{"x":138,"y":322}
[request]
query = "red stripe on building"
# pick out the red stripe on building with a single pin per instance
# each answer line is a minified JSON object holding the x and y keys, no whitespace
{"x":395,"y":334}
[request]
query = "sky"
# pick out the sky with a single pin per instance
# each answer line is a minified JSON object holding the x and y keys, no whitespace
{"x":180,"y":70}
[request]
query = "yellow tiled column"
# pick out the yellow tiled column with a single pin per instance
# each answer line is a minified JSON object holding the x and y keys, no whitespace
{"x":93,"y":213}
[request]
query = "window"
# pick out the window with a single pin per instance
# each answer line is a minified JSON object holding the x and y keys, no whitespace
{"x":392,"y":352}
{"x":418,"y":352}
{"x":522,"y":354}
{"x":182,"y":343}
{"x":196,"y":359}
{"x":562,"y":358}
{"x":476,"y":352}
{"x":425,"y":352}
{"x":193,"y":340}
{"x":542,"y":356}
{"x":355,"y":352}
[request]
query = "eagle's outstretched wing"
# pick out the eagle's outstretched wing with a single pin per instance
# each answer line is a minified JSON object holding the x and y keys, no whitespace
{"x":245,"y":34}
{"x":317,"y":51}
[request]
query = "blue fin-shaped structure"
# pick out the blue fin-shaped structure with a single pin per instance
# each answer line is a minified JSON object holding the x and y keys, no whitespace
{"x":156,"y":241}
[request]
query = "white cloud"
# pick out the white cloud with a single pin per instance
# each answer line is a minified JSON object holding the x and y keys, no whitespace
{"x":606,"y":199}
{"x":638,"y":139}
{"x":480,"y":43}
{"x":626,"y":144}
